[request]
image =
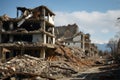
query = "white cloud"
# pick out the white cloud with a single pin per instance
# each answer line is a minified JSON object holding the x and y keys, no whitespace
{"x":96,"y":23}
{"x":99,"y":41}
{"x":105,"y":31}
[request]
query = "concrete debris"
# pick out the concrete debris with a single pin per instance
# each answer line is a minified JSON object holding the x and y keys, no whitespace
{"x":32,"y":48}
{"x":23,"y":65}
{"x":5,"y":17}
{"x":34,"y":67}
{"x":62,"y":63}
{"x":58,"y":70}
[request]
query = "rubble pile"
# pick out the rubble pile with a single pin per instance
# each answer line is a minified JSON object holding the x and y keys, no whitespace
{"x":22,"y":64}
{"x":58,"y":70}
{"x":35,"y":67}
{"x":72,"y":56}
{"x":64,"y":62}
{"x":5,"y":17}
{"x":78,"y":52}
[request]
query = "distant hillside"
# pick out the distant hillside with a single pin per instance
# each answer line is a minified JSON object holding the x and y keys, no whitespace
{"x":102,"y":47}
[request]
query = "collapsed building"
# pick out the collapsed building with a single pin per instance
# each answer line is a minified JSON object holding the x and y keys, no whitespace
{"x":70,"y":36}
{"x":46,"y":57}
{"x":32,"y":32}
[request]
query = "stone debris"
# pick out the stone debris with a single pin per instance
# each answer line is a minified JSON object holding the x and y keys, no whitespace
{"x":59,"y":52}
{"x":62,"y":63}
{"x":5,"y":17}
{"x":34,"y":67}
{"x":23,"y":65}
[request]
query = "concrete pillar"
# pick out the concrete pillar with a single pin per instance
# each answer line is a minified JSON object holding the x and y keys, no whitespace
{"x":53,"y":32}
{"x":83,"y":42}
{"x":44,"y":36}
{"x":43,"y":25}
{"x":42,"y":53}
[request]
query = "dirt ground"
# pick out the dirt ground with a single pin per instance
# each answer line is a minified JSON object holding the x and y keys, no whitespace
{"x":101,"y":72}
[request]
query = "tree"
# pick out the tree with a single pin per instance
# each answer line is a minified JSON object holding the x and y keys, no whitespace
{"x":118,"y":26}
{"x":112,"y":44}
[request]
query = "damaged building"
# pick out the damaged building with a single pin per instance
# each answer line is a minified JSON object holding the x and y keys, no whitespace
{"x":69,"y":35}
{"x":32,"y":48}
{"x":32,"y":32}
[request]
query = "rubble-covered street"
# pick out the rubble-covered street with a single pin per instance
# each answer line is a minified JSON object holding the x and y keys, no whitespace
{"x":59,"y":65}
{"x":63,"y":65}
{"x":32,"y":47}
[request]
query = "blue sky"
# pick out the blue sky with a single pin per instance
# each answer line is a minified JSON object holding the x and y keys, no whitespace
{"x":96,"y":17}
{"x":9,"y":7}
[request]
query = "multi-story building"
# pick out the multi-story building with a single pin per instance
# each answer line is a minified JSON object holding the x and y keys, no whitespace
{"x":70,"y":36}
{"x":32,"y":32}
{"x":93,"y":50}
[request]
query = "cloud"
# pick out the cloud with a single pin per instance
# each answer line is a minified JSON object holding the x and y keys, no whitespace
{"x":96,"y":23}
{"x":100,"y":41}
{"x":105,"y":31}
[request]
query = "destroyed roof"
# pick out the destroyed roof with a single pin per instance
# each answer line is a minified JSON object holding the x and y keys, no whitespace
{"x":36,"y":9}
{"x":42,"y":6}
{"x":4,"y":17}
{"x":66,"y":31}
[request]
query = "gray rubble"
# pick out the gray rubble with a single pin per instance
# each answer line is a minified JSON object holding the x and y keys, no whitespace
{"x":35,"y":67}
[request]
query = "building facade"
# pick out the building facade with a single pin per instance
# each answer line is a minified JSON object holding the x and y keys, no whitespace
{"x":70,"y":36}
{"x":32,"y":32}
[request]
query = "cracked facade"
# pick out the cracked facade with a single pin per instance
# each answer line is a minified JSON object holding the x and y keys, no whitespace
{"x":32,"y":32}
{"x":69,"y":35}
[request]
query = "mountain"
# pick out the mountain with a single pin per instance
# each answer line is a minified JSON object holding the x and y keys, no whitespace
{"x":102,"y":47}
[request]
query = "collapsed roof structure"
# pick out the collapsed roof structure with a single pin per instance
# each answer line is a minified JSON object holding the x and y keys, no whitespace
{"x":32,"y":47}
{"x":32,"y":32}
